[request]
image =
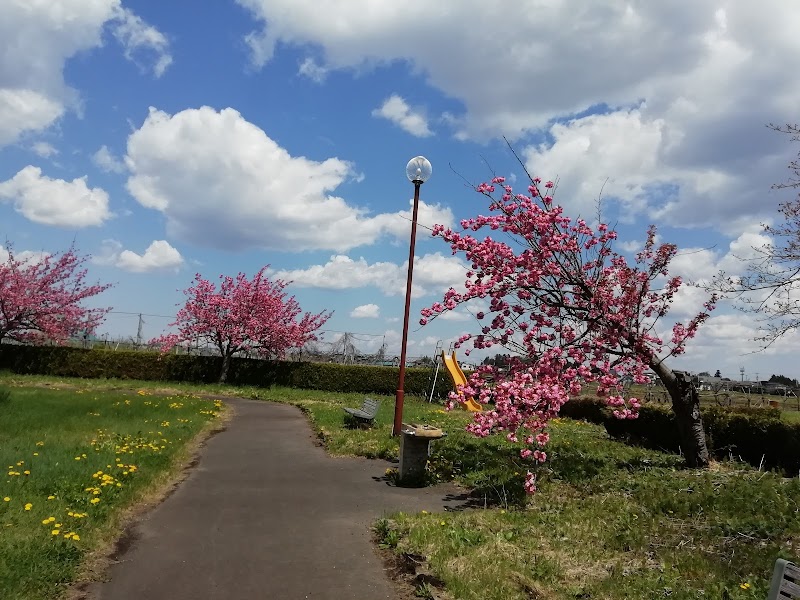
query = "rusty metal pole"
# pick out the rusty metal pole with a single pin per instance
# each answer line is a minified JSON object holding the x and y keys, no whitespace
{"x":398,"y":403}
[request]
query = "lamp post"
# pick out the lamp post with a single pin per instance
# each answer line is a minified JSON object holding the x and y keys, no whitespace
{"x":418,"y":170}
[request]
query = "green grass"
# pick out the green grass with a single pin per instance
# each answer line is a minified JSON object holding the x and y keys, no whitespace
{"x":609,"y":520}
{"x":75,"y":461}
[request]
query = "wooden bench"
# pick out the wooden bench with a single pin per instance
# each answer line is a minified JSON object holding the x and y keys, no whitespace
{"x":366,"y":414}
{"x":785,"y":581}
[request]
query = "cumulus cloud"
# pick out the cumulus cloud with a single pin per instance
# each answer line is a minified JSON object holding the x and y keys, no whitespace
{"x":366,"y":311}
{"x":55,"y":201}
{"x":40,"y":37}
{"x":26,"y":256}
{"x":395,"y":109}
{"x":433,"y":274}
{"x":313,"y":70}
{"x":107,"y":162}
{"x":680,"y":134}
{"x":44,"y":149}
{"x":140,"y":39}
{"x":221,"y":181}
{"x":159,"y":256}
{"x":24,"y":110}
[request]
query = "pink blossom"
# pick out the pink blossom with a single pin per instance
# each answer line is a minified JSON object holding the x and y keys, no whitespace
{"x":566,"y":307}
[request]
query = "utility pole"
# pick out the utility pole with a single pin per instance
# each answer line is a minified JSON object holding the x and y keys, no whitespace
{"x":139,"y":331}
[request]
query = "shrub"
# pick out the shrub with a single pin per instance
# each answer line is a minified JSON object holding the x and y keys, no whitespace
{"x":153,"y":366}
{"x":754,"y":435}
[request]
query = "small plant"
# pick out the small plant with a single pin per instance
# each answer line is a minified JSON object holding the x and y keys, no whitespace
{"x":424,"y":590}
{"x":388,"y":537}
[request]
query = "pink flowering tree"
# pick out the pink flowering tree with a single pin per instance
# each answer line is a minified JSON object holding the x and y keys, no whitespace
{"x":242,"y":316}
{"x":41,"y":298}
{"x":572,"y":311}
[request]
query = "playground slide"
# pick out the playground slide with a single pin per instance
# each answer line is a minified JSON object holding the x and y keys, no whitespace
{"x":458,"y":377}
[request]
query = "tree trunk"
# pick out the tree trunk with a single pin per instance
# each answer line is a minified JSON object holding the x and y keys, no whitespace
{"x":226,"y":363}
{"x":686,"y":406}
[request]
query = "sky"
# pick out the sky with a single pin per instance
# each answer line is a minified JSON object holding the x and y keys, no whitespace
{"x":166,"y":139}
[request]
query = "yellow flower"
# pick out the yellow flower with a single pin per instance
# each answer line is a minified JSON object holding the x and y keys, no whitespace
{"x":51,"y":497}
{"x":27,"y":472}
{"x":744,"y":586}
{"x":6,"y":499}
{"x":28,"y":506}
{"x":95,"y":500}
{"x":55,"y":532}
{"x":76,"y":537}
{"x":36,"y":454}
{"x":442,"y":523}
{"x":424,"y":512}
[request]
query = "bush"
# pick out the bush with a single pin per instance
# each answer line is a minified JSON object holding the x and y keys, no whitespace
{"x":153,"y":366}
{"x":754,"y":435}
{"x":584,"y":408}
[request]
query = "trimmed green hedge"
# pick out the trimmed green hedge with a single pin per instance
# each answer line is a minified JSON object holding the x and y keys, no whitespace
{"x":754,"y":435}
{"x":153,"y":366}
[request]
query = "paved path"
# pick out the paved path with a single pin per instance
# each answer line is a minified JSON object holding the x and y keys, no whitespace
{"x":266,"y":514}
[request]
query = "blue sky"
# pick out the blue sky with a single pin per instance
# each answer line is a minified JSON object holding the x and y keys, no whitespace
{"x":167,"y":139}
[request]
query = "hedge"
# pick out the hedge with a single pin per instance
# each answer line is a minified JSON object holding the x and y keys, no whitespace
{"x":153,"y":366}
{"x":755,"y":435}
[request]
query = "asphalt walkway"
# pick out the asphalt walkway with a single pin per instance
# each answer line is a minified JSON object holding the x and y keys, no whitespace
{"x":267,"y":514}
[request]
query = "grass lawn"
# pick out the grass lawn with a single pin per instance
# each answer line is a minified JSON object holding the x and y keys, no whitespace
{"x":75,"y":462}
{"x":609,"y":520}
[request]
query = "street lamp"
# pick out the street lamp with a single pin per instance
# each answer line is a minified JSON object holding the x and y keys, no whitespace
{"x":418,"y":171}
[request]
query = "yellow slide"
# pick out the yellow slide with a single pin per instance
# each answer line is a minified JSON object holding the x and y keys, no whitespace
{"x":457,"y":375}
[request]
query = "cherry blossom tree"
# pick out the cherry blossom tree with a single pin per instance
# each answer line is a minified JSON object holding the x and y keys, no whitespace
{"x":242,"y":316}
{"x":572,"y":311}
{"x":41,"y":297}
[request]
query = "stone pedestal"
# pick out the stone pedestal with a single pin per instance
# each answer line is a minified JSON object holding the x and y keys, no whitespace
{"x":415,"y":448}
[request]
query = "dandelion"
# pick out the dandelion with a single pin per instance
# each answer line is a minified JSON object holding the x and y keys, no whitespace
{"x":6,"y":499}
{"x":55,"y":531}
{"x":94,"y":500}
{"x":28,"y":506}
{"x":744,"y":586}
{"x":27,"y":472}
{"x":51,"y":497}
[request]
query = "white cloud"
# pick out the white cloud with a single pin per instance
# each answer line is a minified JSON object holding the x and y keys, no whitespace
{"x":137,"y":38}
{"x":433,"y":274}
{"x":221,"y":181}
{"x":26,"y":256}
{"x":314,"y":71}
{"x":55,"y":201}
{"x":38,"y":38}
{"x":44,"y":149}
{"x":695,"y":150}
{"x":159,"y":256}
{"x":395,"y":109}
{"x":107,"y":162}
{"x":366,"y":311}
{"x":23,"y":110}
